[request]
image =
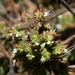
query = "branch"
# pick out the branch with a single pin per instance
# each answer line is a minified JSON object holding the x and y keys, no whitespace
{"x":4,"y":13}
{"x":56,"y":13}
{"x":4,"y":51}
{"x":72,"y":66}
{"x":71,"y":69}
{"x":67,"y":40}
{"x":67,"y":6}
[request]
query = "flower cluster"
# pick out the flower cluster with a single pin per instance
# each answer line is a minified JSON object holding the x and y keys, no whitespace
{"x":34,"y":43}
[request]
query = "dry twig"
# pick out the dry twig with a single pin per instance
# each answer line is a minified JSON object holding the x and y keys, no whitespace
{"x":4,"y":51}
{"x":56,"y":13}
{"x":67,"y":40}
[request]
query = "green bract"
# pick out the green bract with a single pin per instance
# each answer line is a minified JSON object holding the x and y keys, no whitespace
{"x":58,"y":49}
{"x":45,"y":55}
{"x":34,"y":38}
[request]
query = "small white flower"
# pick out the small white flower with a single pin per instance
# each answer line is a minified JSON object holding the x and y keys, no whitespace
{"x":42,"y":60}
{"x":35,"y":50}
{"x":14,"y":51}
{"x":58,"y":26}
{"x":17,"y":35}
{"x":48,"y":42}
{"x":33,"y":56}
{"x":47,"y":13}
{"x":36,"y":44}
{"x":60,"y":16}
{"x":65,"y":50}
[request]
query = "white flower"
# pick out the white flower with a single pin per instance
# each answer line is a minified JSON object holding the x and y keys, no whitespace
{"x":14,"y":51}
{"x":35,"y":50}
{"x":47,"y":13}
{"x":48,"y":42}
{"x":33,"y":56}
{"x":17,"y":35}
{"x":58,"y":26}
{"x":60,"y":16}
{"x":36,"y":44}
{"x":65,"y":50}
{"x":42,"y":60}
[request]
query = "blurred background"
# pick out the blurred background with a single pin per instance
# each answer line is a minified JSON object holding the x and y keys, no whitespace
{"x":60,"y":18}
